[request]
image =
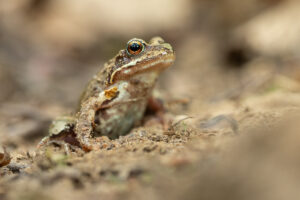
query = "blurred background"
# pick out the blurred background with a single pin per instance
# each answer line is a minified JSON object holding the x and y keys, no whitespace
{"x":232,"y":55}
{"x":49,"y":49}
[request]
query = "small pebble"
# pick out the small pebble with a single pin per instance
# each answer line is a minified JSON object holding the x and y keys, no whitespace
{"x":4,"y":157}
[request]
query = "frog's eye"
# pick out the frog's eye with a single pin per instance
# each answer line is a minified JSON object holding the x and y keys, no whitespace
{"x":134,"y":47}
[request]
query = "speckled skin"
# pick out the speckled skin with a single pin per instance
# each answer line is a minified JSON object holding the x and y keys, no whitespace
{"x":116,"y":98}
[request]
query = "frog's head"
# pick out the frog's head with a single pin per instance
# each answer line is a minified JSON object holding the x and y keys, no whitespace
{"x":141,"y":57}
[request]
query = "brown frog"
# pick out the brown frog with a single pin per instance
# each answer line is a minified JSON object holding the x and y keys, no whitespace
{"x":115,"y":99}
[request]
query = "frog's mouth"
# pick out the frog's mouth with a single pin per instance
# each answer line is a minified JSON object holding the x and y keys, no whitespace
{"x":158,"y":64}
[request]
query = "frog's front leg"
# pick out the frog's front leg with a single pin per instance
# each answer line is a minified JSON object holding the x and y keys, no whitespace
{"x":86,"y":118}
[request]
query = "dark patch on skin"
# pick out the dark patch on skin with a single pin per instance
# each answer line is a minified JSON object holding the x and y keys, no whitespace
{"x":67,"y":136}
{"x":121,"y":59}
{"x":95,"y":89}
{"x":97,"y":119}
{"x":71,"y":139}
{"x":135,"y":91}
{"x":100,"y":82}
{"x":135,"y":81}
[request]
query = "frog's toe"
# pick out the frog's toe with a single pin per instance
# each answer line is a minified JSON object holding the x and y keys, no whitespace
{"x":90,"y":147}
{"x":43,"y":142}
{"x":67,"y":148}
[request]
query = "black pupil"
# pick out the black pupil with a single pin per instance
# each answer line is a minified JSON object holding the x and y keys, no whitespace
{"x":135,"y":47}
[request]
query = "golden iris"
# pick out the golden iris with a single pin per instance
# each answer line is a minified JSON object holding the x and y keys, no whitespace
{"x":135,"y":47}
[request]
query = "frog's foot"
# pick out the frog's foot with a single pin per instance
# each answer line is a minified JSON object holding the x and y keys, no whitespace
{"x":68,"y":148}
{"x":155,"y":105}
{"x":61,"y":129}
{"x":90,"y":144}
{"x":43,"y":142}
{"x":65,"y":139}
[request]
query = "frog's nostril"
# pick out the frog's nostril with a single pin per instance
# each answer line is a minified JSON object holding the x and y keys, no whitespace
{"x":168,"y":46}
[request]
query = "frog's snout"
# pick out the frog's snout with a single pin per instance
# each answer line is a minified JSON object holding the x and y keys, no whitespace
{"x":168,"y":46}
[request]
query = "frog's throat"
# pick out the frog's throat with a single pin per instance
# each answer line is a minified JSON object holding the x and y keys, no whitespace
{"x":138,"y":67}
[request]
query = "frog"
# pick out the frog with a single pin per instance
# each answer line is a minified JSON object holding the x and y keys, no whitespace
{"x":115,"y":99}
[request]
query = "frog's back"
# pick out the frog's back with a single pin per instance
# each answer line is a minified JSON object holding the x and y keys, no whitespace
{"x":99,"y":81}
{"x":95,"y":86}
